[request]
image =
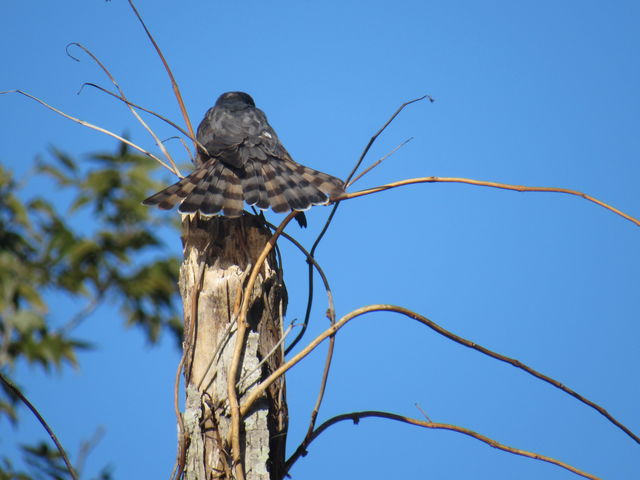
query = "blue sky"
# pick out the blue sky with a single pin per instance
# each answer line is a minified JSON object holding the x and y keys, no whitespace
{"x":535,"y":93}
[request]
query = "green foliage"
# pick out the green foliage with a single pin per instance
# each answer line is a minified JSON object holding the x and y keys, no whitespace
{"x":7,"y":471}
{"x":86,"y":238}
{"x":44,"y":462}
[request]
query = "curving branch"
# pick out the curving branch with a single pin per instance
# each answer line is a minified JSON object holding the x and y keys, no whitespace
{"x":331,"y":314}
{"x":314,"y":263}
{"x":174,"y":84}
{"x":323,"y":383}
{"x":180,"y":454}
{"x":90,"y":125}
{"x":255,"y":394}
{"x":482,"y":183}
{"x":151,"y":112}
{"x":356,"y":416}
{"x":241,"y":332}
{"x":42,"y":421}
{"x":124,"y":98}
{"x":337,"y":203}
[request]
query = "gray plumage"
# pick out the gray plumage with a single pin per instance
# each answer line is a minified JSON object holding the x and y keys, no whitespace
{"x":244,"y":162}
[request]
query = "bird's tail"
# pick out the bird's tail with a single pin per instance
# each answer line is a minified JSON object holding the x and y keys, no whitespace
{"x":279,"y":184}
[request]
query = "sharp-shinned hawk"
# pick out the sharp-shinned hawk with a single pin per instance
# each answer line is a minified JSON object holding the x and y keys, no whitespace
{"x":244,"y":162}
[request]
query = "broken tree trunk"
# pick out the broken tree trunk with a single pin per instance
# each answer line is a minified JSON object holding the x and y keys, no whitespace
{"x":219,"y":254}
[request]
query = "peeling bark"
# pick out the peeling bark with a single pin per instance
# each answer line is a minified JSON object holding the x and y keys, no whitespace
{"x":219,"y":254}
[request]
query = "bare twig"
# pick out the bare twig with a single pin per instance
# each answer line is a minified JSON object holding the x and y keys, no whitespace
{"x":232,"y":376}
{"x":236,"y":451}
{"x":80,"y":316}
{"x":180,"y":454}
{"x":174,"y":84}
{"x":189,"y":152}
{"x":332,"y":318}
{"x":307,"y":315}
{"x":312,"y":261}
{"x":139,"y":107}
{"x":378,"y":162}
{"x":267,"y":356}
{"x":90,"y":125}
{"x":85,"y":449}
{"x":331,"y":313}
{"x":424,"y":414}
{"x":382,"y":129}
{"x":42,"y":421}
{"x":124,"y":98}
{"x":335,"y":208}
{"x":323,"y":383}
{"x":184,"y":145}
{"x":357,"y":416}
{"x":504,"y":186}
{"x":259,"y":390}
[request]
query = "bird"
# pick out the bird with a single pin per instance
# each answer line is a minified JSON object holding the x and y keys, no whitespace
{"x":244,"y":161}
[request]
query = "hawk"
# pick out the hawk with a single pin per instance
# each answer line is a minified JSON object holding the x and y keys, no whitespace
{"x":244,"y":162}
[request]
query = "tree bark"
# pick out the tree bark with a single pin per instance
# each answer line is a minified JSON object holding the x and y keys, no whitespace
{"x":219,"y":254}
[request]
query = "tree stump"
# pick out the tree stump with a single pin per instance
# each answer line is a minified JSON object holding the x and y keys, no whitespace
{"x":219,"y":254}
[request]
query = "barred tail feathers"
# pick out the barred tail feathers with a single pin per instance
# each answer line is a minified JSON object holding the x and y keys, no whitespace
{"x":331,"y":186}
{"x":233,"y":195}
{"x":304,"y":192}
{"x":208,"y":197}
{"x":277,"y":200}
{"x":281,"y":184}
{"x":219,"y":191}
{"x":291,"y":186}
{"x":253,"y":186}
{"x":170,"y":196}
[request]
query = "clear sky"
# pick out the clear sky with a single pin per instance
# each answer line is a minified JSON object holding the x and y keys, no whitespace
{"x":540,"y":93}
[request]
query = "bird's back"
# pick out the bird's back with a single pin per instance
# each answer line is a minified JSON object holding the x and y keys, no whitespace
{"x":236,"y":133}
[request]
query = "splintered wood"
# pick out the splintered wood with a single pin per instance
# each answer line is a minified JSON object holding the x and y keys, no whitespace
{"x":219,"y":254}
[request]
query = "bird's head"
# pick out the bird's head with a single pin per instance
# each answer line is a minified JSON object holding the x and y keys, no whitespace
{"x":240,"y":98}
